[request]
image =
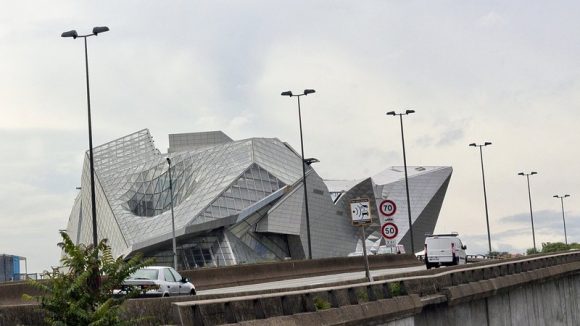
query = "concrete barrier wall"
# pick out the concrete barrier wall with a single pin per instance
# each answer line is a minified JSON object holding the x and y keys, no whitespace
{"x":551,"y":302}
{"x":368,"y":313}
{"x":544,"y":296}
{"x":11,"y":293}
{"x":159,"y":310}
{"x":425,"y":284}
{"x":458,"y":286}
{"x":149,"y":312}
{"x":209,"y":278}
{"x":451,"y":288}
{"x":256,"y":308}
{"x":21,"y":315}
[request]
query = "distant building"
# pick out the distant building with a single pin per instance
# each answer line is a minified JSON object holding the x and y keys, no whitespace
{"x":236,"y":202}
{"x":9,"y":268}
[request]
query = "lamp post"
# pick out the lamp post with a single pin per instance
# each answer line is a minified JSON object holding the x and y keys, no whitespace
{"x":563,"y":218}
{"x":289,"y":94}
{"x":95,"y":281}
{"x":484,"y":192}
{"x":172,"y":216}
{"x":74,"y":35}
{"x":527,"y":175}
{"x":406,"y":176}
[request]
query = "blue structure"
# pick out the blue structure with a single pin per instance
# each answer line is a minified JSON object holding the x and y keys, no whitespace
{"x":9,"y":268}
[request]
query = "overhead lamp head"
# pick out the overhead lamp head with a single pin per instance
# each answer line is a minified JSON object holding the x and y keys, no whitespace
{"x":391,"y":113}
{"x":71,"y":33}
{"x":100,"y":29}
{"x":287,"y":93}
{"x":556,"y":196}
{"x":566,"y":195}
{"x":533,"y":173}
{"x":473,"y":144}
{"x":309,"y":91}
{"x":487,"y":143}
{"x":521,"y":173}
{"x":311,"y":160}
{"x":409,"y":111}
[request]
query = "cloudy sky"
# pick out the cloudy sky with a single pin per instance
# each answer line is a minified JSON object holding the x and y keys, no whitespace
{"x":501,"y":71}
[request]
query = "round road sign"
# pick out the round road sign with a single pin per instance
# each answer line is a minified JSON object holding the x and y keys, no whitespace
{"x":389,"y":230}
{"x":388,"y":207}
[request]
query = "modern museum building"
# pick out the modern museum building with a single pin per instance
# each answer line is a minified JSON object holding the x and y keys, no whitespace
{"x":239,"y":201}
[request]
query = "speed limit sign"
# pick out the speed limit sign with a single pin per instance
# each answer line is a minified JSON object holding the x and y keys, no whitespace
{"x":389,"y":230}
{"x":388,"y":207}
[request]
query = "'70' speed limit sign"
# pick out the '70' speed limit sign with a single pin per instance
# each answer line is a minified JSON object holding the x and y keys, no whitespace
{"x":388,"y":207}
{"x":389,"y":230}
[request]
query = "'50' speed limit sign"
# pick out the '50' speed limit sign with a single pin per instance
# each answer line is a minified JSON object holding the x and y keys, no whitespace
{"x":389,"y":230}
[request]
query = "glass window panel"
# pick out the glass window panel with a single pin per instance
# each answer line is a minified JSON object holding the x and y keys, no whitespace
{"x":168,"y":275}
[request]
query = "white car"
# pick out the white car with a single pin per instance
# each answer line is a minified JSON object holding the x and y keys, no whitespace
{"x":160,"y":281}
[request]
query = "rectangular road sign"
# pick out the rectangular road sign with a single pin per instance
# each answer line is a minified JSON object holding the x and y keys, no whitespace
{"x":390,"y":243}
{"x":360,"y":211}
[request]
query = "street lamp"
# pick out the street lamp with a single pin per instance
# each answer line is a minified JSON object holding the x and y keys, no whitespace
{"x":74,"y":35}
{"x":527,"y":175}
{"x":289,"y":94}
{"x":172,"y":216}
{"x":484,"y":192}
{"x":563,"y":218}
{"x":406,"y":177}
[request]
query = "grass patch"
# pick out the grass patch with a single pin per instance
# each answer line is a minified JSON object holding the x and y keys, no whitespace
{"x":321,"y":304}
{"x":395,"y":289}
{"x":362,"y":295}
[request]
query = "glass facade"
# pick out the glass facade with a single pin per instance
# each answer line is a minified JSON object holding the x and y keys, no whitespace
{"x":234,"y":201}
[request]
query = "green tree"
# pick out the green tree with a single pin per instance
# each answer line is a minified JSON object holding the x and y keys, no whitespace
{"x":554,"y":247}
{"x":72,"y":295}
{"x":532,"y":251}
{"x":575,"y":245}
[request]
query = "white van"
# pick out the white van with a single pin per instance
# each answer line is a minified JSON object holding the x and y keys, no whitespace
{"x":444,"y":250}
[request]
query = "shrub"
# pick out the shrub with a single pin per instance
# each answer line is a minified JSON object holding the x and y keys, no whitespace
{"x":81,"y":292}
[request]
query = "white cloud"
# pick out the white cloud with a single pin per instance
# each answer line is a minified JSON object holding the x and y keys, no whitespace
{"x":473,"y":72}
{"x":492,"y":19}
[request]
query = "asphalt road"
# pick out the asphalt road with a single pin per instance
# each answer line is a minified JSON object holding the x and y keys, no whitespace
{"x":316,"y":280}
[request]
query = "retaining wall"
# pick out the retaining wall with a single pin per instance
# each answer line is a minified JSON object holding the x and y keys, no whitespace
{"x":551,"y":302}
{"x":537,"y":290}
{"x":360,"y":304}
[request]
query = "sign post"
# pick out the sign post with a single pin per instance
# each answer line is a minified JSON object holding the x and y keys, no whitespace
{"x":361,"y":216}
{"x":389,"y":229}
